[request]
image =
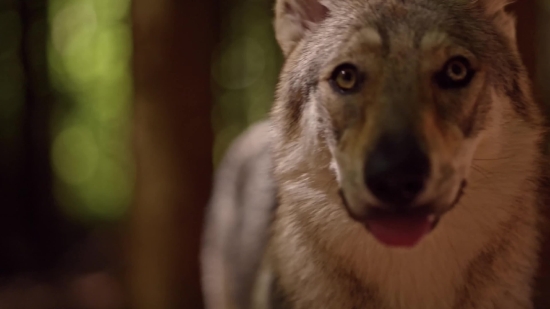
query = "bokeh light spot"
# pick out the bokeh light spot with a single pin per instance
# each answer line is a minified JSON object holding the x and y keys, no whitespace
{"x":89,"y":56}
{"x":240,"y":64}
{"x":75,"y":155}
{"x":106,"y":195}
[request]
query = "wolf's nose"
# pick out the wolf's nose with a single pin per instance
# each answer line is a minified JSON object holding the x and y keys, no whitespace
{"x":397,"y":169}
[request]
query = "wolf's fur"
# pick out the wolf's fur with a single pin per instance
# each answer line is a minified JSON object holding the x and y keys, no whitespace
{"x":484,"y":252}
{"x":240,"y":210}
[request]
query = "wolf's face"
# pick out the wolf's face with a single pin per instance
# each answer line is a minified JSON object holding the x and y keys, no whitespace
{"x":404,"y":95}
{"x":405,"y":119}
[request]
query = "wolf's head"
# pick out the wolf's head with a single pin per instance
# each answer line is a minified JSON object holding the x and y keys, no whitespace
{"x":408,"y":97}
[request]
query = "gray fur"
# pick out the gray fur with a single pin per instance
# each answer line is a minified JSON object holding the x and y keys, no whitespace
{"x":313,"y":254}
{"x":238,"y":217}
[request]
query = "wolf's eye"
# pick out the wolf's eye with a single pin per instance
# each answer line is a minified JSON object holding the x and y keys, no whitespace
{"x":456,"y":73}
{"x":345,"y":78}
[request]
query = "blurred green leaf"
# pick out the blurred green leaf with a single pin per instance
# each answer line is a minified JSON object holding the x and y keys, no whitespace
{"x":89,"y":57}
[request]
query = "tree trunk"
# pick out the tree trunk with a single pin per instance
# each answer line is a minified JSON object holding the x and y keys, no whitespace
{"x":173,"y":41}
{"x":542,"y":36}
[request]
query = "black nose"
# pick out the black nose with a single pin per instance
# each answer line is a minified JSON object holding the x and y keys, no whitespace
{"x":396,"y":170}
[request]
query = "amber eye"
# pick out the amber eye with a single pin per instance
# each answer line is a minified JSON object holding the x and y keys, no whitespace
{"x":345,"y":78}
{"x":456,"y":73}
{"x":457,"y":70}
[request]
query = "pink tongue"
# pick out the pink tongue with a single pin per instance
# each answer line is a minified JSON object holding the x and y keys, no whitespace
{"x":395,"y":231}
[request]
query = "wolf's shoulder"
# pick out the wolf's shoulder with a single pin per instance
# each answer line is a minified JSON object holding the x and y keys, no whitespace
{"x":239,"y":213}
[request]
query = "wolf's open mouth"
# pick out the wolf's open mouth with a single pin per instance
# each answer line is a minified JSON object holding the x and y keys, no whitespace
{"x":404,"y":228}
{"x":401,"y":230}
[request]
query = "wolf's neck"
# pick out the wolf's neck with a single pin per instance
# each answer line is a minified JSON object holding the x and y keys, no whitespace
{"x":495,"y":210}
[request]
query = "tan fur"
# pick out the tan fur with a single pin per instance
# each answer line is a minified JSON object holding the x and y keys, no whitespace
{"x":314,"y":252}
{"x":427,"y":276}
{"x":484,"y":252}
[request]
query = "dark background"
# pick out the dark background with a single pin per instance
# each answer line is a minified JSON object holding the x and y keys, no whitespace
{"x":113,"y":116}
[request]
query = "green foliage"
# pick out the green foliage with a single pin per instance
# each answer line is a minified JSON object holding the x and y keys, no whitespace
{"x":89,"y":57}
{"x":244,"y":70}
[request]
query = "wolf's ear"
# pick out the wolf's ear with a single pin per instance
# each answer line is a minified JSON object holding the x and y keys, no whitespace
{"x":493,"y":7}
{"x":496,"y":10}
{"x":295,"y":18}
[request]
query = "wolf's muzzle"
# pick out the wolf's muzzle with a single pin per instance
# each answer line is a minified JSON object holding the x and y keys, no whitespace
{"x":396,"y":170}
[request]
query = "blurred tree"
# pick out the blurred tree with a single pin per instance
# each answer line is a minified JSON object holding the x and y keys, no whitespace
{"x":33,"y":233}
{"x":542,"y":36}
{"x":245,"y":68}
{"x":526,"y":11}
{"x":15,"y":255}
{"x":542,"y":73}
{"x":43,"y":254}
{"x":52,"y":234}
{"x":173,"y":43}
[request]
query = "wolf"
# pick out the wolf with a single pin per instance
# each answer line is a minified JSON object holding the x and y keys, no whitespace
{"x":402,"y":165}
